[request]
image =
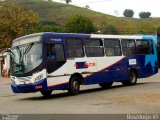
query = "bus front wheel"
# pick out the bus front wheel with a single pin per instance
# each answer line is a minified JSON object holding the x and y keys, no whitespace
{"x":132,"y":78}
{"x":106,"y":85}
{"x":74,"y":86}
{"x":46,"y":93}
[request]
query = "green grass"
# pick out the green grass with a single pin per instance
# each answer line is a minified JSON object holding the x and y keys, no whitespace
{"x":59,"y":12}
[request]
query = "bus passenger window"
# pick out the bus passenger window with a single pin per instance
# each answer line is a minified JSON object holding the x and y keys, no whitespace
{"x":112,"y":47}
{"x":74,"y":48}
{"x":128,"y":47}
{"x":93,"y":47}
{"x":143,"y":47}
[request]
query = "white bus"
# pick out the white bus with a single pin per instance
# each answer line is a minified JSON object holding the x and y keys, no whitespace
{"x":63,"y":61}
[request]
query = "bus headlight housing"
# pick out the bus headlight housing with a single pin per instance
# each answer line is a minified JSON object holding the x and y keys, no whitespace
{"x":39,"y":77}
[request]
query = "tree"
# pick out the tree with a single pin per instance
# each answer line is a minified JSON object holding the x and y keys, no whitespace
{"x":79,"y":24}
{"x":68,"y":1}
{"x":144,"y":14}
{"x":15,"y":21}
{"x":86,"y":6}
{"x":128,"y":13}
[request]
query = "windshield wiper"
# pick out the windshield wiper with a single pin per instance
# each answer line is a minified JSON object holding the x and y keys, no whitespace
{"x":28,"y":48}
{"x":12,"y":53}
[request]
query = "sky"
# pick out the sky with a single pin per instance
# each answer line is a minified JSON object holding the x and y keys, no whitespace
{"x":117,"y":7}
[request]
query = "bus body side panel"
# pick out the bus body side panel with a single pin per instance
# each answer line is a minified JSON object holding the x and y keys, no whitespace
{"x":119,"y":71}
{"x":104,"y":69}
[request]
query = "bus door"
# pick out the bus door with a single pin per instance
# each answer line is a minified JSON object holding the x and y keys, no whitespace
{"x":55,"y":58}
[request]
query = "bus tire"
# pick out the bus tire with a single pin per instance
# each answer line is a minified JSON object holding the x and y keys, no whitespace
{"x":74,"y":86}
{"x":132,"y":78}
{"x":46,"y":93}
{"x":106,"y":85}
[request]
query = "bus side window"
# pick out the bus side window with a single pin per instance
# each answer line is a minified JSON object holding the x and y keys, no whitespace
{"x":143,"y":47}
{"x":74,"y":48}
{"x":112,"y":47}
{"x":59,"y":52}
{"x":93,"y":47}
{"x":55,"y":52}
{"x":51,"y":52}
{"x":128,"y":47}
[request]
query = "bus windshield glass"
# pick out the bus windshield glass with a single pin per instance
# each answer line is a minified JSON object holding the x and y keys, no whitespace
{"x":25,"y":58}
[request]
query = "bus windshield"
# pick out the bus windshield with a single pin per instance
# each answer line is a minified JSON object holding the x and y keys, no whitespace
{"x":25,"y":58}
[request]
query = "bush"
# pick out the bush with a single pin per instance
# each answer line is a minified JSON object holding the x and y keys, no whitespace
{"x":79,"y":24}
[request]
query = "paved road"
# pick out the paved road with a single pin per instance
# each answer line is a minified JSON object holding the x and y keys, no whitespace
{"x":141,"y":98}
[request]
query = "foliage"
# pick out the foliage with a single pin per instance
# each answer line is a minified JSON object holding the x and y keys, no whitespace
{"x":15,"y":21}
{"x":68,"y":1}
{"x":107,"y":29}
{"x":110,"y":29}
{"x":48,"y":26}
{"x":144,"y":14}
{"x":48,"y":22}
{"x":128,"y":13}
{"x":79,"y":24}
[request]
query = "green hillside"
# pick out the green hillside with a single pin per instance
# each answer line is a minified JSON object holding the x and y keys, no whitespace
{"x":59,"y":12}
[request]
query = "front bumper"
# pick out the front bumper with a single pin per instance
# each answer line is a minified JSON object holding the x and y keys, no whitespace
{"x":26,"y":88}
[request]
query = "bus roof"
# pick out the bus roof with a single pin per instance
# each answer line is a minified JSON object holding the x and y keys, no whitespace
{"x":77,"y":35}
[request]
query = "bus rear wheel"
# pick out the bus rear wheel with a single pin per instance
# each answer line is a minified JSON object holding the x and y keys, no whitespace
{"x":46,"y":93}
{"x":106,"y":85}
{"x":74,"y":86}
{"x":132,"y":78}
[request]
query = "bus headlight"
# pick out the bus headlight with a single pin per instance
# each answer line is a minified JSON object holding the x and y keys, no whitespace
{"x":39,"y":77}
